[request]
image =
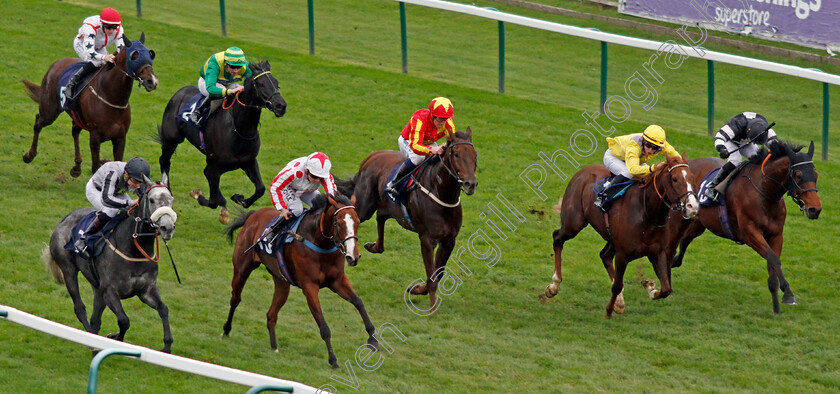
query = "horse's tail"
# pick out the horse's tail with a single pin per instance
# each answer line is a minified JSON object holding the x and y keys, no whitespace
{"x":157,"y":136}
{"x":559,"y":206}
{"x":346,"y":187}
{"x":51,"y":266}
{"x":237,"y":222}
{"x":32,"y":90}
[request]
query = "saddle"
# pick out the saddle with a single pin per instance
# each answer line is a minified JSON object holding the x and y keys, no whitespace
{"x":95,"y":242}
{"x":183,"y":115}
{"x":67,"y":100}
{"x":613,"y":192}
{"x":721,"y":188}
{"x":273,"y":241}
{"x":408,"y":183}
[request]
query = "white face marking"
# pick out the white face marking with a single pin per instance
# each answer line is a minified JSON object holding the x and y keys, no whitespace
{"x":350,"y":243}
{"x":692,"y":206}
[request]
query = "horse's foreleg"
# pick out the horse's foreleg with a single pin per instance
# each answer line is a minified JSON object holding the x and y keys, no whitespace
{"x":774,"y":264}
{"x":95,"y":145}
{"x":566,"y":232}
{"x":694,"y":230}
{"x":444,"y":250}
{"x":76,"y":170}
{"x":213,"y":174}
{"x":242,"y":268}
{"x":33,"y":149}
{"x":96,"y":315}
{"x":662,"y":269}
{"x":152,"y":298}
{"x":112,"y":299}
{"x":343,"y":288}
{"x":118,"y":147}
{"x":281,"y":294}
{"x":379,"y":245}
{"x":788,"y":297}
{"x":310,"y":290}
{"x":252,"y":170}
{"x":618,"y":282}
{"x":427,"y":248}
{"x":607,"y":254}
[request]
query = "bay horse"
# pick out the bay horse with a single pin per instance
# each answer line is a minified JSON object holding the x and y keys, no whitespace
{"x":102,"y":105}
{"x":331,"y":226}
{"x":434,"y":211}
{"x":756,"y":209}
{"x":231,"y":139}
{"x":646,"y":222}
{"x":126,"y":268}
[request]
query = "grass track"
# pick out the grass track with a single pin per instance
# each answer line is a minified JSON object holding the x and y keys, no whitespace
{"x":715,"y":333}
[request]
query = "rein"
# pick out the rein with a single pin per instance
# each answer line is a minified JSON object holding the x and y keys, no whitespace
{"x":138,"y":221}
{"x":791,"y":185}
{"x":338,"y":245}
{"x":680,"y":204}
{"x":451,"y":172}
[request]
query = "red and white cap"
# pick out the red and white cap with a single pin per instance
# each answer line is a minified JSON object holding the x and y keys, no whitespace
{"x":319,"y":165}
{"x":110,"y":16}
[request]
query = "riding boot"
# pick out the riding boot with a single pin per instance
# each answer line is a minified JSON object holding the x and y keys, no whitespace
{"x":196,"y":113}
{"x":76,"y":78}
{"x":94,"y":227}
{"x":608,"y":194}
{"x":711,"y":193}
{"x":405,"y":169}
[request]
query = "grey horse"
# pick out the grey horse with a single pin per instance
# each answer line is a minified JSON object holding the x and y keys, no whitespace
{"x":127,"y":266}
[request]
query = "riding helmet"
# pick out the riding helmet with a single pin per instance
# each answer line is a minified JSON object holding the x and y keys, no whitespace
{"x":756,"y":130}
{"x":655,"y":135}
{"x":235,"y":57}
{"x":136,"y":168}
{"x":110,"y":16}
{"x":441,"y":107}
{"x":318,"y":165}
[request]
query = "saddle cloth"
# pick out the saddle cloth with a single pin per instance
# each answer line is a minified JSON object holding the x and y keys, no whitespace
{"x":273,"y":242}
{"x":95,"y":242}
{"x":64,"y":97}
{"x":615,"y":191}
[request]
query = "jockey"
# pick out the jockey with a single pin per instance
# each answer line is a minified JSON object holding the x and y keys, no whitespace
{"x":738,"y":138}
{"x":107,"y":188}
{"x":298,"y":182}
{"x":220,"y":76}
{"x":627,"y":155}
{"x":96,"y":33}
{"x":417,"y":140}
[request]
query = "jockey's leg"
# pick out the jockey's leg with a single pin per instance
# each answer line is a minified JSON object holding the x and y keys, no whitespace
{"x":77,"y":77}
{"x":711,"y":193}
{"x":609,"y":193}
{"x":405,"y":168}
{"x":196,"y":113}
{"x":95,"y":226}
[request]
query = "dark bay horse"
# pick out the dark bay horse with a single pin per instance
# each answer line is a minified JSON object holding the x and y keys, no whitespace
{"x":102,"y":106}
{"x":232,"y":137}
{"x":756,"y":208}
{"x":435,"y":209}
{"x":126,"y":268}
{"x":331,"y":224}
{"x":647,"y":221}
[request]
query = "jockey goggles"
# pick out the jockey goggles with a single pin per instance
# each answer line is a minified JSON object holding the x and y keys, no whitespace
{"x":653,"y":146}
{"x":110,"y":27}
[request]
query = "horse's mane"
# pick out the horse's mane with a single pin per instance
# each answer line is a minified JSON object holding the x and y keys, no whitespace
{"x":777,"y":149}
{"x":262,"y":65}
{"x":319,"y":203}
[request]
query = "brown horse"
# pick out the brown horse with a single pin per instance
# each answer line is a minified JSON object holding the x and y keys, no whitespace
{"x":102,"y":106}
{"x":644,"y":222}
{"x":756,"y":208}
{"x":434,"y":210}
{"x":331,"y":226}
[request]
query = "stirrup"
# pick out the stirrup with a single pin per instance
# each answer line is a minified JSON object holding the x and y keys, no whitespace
{"x":392,"y":191}
{"x":195,"y":116}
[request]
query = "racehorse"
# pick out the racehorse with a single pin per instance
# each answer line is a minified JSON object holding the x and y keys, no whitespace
{"x":325,"y":240}
{"x":756,"y":208}
{"x":126,"y":268}
{"x":646,"y":222}
{"x":231,"y":139}
{"x":433,"y":212}
{"x":102,"y":105}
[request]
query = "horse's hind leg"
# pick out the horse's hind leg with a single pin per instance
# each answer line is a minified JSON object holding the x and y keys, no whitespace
{"x":240,"y":276}
{"x":281,"y":294}
{"x":379,"y":245}
{"x":344,"y":289}
{"x":112,"y":300}
{"x":213,"y":174}
{"x":252,"y":170}
{"x":310,"y":290}
{"x":76,"y":170}
{"x":152,"y":298}
{"x":44,"y":118}
{"x":571,"y":224}
{"x":167,"y":149}
{"x":71,"y":281}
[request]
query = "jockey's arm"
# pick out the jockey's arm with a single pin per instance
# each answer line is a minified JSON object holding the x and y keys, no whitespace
{"x":329,"y":185}
{"x":211,"y":77}
{"x":634,"y":166}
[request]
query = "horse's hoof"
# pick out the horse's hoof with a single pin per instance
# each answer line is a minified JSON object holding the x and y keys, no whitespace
{"x":195,"y":193}
{"x":543,"y":298}
{"x":419,"y":290}
{"x":239,"y":199}
{"x":224,"y":218}
{"x":75,"y":172}
{"x":789,"y":300}
{"x":114,"y":335}
{"x":27,"y":158}
{"x":371,"y":247}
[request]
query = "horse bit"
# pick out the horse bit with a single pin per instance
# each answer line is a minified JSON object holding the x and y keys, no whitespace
{"x":339,"y":245}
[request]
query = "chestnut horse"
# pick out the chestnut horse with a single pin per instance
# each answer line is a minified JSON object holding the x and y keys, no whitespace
{"x":232,"y":136}
{"x":102,"y":106}
{"x":331,"y":226}
{"x":641,"y":223}
{"x":434,"y":210}
{"x":756,"y":208}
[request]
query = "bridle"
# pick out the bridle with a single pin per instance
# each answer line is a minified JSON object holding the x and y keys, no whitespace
{"x":449,"y":149}
{"x":266,"y":100}
{"x":338,"y":245}
{"x":793,"y":189}
{"x":139,"y":221}
{"x":681,"y":202}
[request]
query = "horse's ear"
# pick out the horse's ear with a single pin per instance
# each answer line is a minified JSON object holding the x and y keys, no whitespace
{"x":353,"y":200}
{"x":126,"y":41}
{"x":330,"y":199}
{"x":152,"y":54}
{"x":469,"y":133}
{"x":143,"y":37}
{"x":148,"y":182}
{"x":684,"y":157}
{"x":811,"y":150}
{"x":450,"y":135}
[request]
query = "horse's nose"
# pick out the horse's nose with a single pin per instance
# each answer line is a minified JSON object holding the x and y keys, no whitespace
{"x":469,"y":186}
{"x":151,"y":83}
{"x":280,"y":109}
{"x":692,"y":207}
{"x":813,"y":212}
{"x":351,"y":261}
